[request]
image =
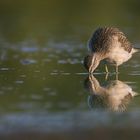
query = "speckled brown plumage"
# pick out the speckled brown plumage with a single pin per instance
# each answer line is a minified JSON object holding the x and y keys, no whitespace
{"x":108,"y":44}
{"x":101,"y":40}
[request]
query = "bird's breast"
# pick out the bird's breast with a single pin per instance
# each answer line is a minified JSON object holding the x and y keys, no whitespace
{"x":118,"y":56}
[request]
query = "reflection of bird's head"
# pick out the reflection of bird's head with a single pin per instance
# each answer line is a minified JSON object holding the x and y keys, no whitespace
{"x":87,"y":84}
{"x":96,"y":102}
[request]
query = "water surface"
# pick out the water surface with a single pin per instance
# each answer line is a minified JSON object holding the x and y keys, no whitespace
{"x":44,"y":88}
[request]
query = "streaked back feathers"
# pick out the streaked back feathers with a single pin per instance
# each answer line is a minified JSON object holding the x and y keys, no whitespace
{"x":102,"y":40}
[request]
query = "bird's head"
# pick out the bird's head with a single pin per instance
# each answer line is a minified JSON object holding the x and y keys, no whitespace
{"x":91,"y":62}
{"x":86,"y":62}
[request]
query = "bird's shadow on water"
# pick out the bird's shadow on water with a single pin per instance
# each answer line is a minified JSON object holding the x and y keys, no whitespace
{"x":113,"y":95}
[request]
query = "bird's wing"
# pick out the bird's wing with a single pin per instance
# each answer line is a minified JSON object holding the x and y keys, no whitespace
{"x":124,"y":42}
{"x":99,"y":41}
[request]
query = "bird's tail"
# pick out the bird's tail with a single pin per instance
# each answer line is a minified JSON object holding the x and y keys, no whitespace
{"x":134,"y":50}
{"x":135,"y":94}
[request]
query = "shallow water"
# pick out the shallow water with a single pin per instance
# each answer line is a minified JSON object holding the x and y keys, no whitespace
{"x":44,"y":88}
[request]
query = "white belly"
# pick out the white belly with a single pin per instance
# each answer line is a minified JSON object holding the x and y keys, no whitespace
{"x":118,"y":55}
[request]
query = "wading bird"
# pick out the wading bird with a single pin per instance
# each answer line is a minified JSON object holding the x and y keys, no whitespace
{"x":108,"y":44}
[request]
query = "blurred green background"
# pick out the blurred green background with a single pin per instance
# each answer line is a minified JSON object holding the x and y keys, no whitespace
{"x":64,"y":19}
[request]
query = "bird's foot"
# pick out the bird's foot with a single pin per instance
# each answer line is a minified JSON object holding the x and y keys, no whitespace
{"x":106,"y":76}
{"x":106,"y":69}
{"x":90,"y":73}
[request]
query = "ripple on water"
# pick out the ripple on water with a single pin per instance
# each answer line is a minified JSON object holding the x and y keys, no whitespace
{"x":47,"y":60}
{"x":52,"y":56}
{"x":75,"y":61}
{"x":69,"y":61}
{"x":62,"y":62}
{"x":130,"y":82}
{"x":23,"y":75}
{"x":28,"y":61}
{"x":53,"y":73}
{"x":25,"y":105}
{"x":7,"y":88}
{"x":82,"y":73}
{"x":29,"y":49}
{"x":36,"y":97}
{"x":4,"y":69}
{"x":65,"y":73}
{"x":19,"y":82}
{"x":52,"y":93}
{"x":135,"y":73}
{"x":61,"y":45}
{"x":46,"y":89}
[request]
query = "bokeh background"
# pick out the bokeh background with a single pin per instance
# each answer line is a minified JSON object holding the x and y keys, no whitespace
{"x":60,"y":20}
{"x":42,"y":80}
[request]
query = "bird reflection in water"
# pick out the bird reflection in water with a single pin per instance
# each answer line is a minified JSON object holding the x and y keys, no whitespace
{"x":115,"y":96}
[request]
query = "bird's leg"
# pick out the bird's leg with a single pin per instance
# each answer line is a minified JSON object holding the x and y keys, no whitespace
{"x":116,"y":76}
{"x":116,"y":69}
{"x":116,"y":72}
{"x":106,"y":77}
{"x":106,"y":69}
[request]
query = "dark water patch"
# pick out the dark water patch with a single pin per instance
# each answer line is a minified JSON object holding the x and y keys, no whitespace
{"x":65,"y":105}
